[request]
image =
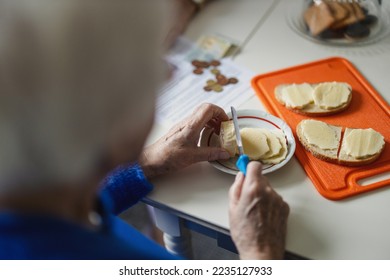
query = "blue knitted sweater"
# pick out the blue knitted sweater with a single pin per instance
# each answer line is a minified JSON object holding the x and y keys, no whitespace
{"x":24,"y":236}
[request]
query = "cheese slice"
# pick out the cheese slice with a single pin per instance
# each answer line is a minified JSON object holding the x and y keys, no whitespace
{"x":283,"y":151}
{"x":297,"y":96}
{"x":254,"y":142}
{"x":361,"y":143}
{"x":332,"y":94}
{"x":273,"y":142}
{"x":227,"y":138}
{"x":320,"y":134}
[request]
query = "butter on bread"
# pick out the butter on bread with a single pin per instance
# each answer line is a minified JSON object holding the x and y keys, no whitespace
{"x":320,"y":139}
{"x":332,"y":95}
{"x":315,"y":99}
{"x":265,"y":145}
{"x":356,"y":147}
{"x":361,"y":146}
{"x":227,"y":138}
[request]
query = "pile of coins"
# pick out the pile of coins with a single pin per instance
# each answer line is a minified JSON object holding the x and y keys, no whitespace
{"x":220,"y":79}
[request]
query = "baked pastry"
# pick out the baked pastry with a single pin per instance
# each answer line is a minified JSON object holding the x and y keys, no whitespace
{"x":329,"y":19}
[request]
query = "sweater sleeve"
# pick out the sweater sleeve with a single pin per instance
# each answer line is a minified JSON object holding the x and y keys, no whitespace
{"x":125,"y":186}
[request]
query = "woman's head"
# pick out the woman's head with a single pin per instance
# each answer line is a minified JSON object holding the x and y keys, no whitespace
{"x":77,"y":84}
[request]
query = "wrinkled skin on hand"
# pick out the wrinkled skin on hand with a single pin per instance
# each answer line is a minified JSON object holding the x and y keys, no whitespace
{"x":179,"y":147}
{"x":258,"y":216}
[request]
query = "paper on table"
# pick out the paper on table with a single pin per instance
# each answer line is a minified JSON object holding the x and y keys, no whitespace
{"x":184,"y":92}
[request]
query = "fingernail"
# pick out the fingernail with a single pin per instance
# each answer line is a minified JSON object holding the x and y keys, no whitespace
{"x":223,"y":155}
{"x":239,"y":176}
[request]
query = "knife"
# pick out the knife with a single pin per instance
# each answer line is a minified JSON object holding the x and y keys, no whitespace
{"x":243,"y":159}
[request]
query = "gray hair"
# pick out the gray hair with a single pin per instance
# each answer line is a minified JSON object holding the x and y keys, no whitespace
{"x":69,"y":71}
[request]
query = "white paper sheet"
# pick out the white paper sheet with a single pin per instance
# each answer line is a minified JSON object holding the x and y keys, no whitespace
{"x":184,"y":91}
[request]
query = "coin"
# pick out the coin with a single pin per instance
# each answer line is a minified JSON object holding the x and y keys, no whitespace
{"x":220,"y":77}
{"x":196,"y":63}
{"x":198,"y":71}
{"x":217,"y":88}
{"x":233,"y":81}
{"x":208,"y":88}
{"x":223,"y":82}
{"x":211,"y":82}
{"x":204,"y":64}
{"x":215,"y":71}
{"x":215,"y":63}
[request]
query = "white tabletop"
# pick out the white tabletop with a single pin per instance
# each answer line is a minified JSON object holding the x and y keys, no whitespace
{"x":356,"y":228}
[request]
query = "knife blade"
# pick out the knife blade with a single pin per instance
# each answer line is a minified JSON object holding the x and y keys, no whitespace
{"x":243,"y":159}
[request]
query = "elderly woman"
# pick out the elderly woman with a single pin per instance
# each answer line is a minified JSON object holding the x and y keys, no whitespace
{"x":78,"y":82}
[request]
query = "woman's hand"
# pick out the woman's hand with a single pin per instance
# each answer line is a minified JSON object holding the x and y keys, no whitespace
{"x":179,"y":148}
{"x":258,"y":216}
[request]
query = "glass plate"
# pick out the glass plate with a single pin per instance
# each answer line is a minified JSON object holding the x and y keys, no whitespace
{"x":295,"y":21}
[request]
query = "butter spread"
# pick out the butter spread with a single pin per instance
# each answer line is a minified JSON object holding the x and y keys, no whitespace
{"x":254,"y":142}
{"x":331,"y":95}
{"x":297,"y":95}
{"x":228,"y":137}
{"x":320,"y":134}
{"x":360,"y":143}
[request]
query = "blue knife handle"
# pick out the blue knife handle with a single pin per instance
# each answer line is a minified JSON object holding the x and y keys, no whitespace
{"x":242,"y":162}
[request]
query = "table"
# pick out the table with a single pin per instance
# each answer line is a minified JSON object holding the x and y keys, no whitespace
{"x":355,"y":228}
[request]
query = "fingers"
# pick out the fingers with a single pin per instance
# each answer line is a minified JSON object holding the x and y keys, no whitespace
{"x":257,"y":215}
{"x":254,"y":171}
{"x":215,"y":125}
{"x":209,"y":154}
{"x":235,"y":189}
{"x":254,"y":182}
{"x":206,"y":113}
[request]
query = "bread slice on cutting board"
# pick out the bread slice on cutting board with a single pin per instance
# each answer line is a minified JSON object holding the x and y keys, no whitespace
{"x":353,"y":148}
{"x":320,"y":139}
{"x":361,"y":146}
{"x":315,"y":99}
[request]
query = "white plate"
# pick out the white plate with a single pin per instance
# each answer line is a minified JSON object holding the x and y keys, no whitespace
{"x":257,"y":119}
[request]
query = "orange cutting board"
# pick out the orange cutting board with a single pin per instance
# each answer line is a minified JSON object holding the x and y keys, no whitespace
{"x":367,"y":109}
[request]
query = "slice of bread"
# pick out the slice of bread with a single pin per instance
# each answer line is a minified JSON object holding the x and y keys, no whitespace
{"x":311,"y":108}
{"x":324,"y":154}
{"x":346,"y":159}
{"x":340,"y":153}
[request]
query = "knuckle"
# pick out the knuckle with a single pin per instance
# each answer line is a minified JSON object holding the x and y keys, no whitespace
{"x":251,"y":192}
{"x":204,"y":107}
{"x":212,"y":155}
{"x":255,"y":165}
{"x":286,"y":208}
